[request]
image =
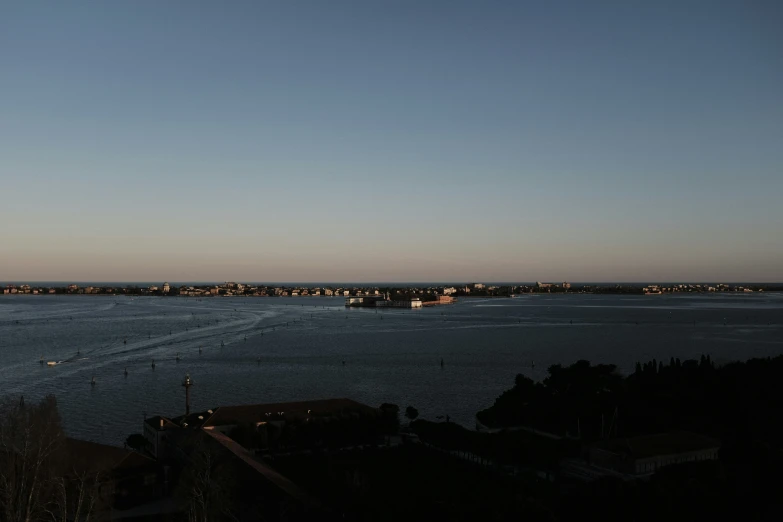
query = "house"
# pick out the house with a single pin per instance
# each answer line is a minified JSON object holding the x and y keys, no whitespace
{"x":154,"y":431}
{"x":160,"y":431}
{"x":258,"y":492}
{"x":645,"y":454}
{"x":236,"y":438}
{"x":127,"y":478}
{"x":226,"y":418}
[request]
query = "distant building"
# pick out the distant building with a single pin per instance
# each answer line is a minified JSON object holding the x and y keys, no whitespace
{"x":479,"y":286}
{"x":450,"y":290}
{"x":166,"y":288}
{"x":647,"y":453}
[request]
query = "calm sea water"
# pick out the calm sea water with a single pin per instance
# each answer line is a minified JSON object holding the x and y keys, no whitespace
{"x":281,"y":349}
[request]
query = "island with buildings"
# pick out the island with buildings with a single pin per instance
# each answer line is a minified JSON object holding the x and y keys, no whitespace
{"x":383,"y":295}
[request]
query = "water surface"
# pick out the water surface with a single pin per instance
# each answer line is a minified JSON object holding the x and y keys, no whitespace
{"x":281,"y":349}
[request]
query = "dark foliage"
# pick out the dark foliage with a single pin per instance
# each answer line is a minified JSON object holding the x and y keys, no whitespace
{"x":738,"y":399}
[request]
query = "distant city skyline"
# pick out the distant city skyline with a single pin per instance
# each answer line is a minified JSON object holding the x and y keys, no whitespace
{"x":391,"y":141}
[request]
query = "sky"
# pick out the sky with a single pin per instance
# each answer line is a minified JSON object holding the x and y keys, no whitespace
{"x":391,"y":141}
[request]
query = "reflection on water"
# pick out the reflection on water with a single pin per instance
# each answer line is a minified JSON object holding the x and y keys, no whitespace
{"x":241,"y":350}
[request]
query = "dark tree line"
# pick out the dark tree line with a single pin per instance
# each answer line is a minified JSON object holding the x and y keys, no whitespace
{"x":593,"y":402}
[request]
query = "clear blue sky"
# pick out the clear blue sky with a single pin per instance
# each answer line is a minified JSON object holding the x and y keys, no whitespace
{"x":396,"y":140}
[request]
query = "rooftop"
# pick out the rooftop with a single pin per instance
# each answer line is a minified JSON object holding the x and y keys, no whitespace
{"x":257,"y":412}
{"x":251,"y":413}
{"x":261,"y":468}
{"x":647,"y":446}
{"x":159,"y":422}
{"x":94,"y":456}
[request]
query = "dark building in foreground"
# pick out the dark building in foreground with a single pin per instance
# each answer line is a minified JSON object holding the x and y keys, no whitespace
{"x":232,"y":441}
{"x":646,"y":454}
{"x":125,"y":479}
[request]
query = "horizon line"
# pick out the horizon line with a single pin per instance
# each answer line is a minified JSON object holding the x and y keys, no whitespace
{"x":267,"y":283}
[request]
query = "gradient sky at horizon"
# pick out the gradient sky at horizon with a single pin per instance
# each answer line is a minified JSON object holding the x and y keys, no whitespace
{"x":391,"y":141}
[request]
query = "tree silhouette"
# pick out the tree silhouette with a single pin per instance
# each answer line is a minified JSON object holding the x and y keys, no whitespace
{"x":136,"y":441}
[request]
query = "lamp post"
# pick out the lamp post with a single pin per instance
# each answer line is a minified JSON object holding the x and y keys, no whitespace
{"x":187,"y":383}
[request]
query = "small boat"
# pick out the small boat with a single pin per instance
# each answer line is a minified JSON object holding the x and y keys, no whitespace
{"x":51,"y":363}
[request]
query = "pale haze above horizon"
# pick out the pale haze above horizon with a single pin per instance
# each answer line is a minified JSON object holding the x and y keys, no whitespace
{"x":391,"y":141}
